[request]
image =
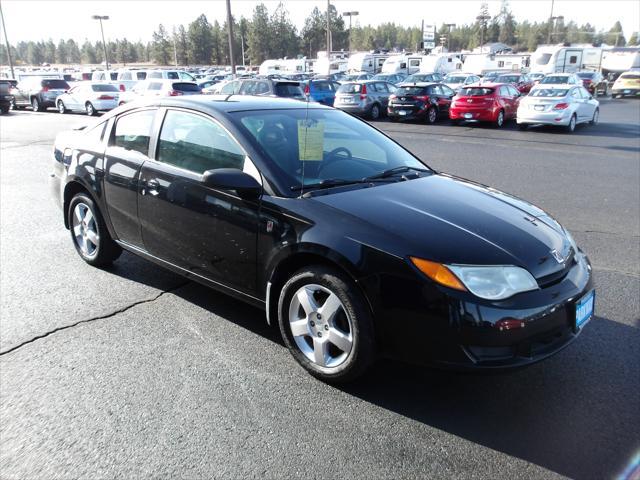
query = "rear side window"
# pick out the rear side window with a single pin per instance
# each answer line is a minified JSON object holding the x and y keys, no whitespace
{"x":134,"y":130}
{"x":197,"y":144}
{"x":288,"y":90}
{"x":55,"y":84}
{"x":185,"y":87}
{"x":104,"y":88}
{"x":141,"y":75}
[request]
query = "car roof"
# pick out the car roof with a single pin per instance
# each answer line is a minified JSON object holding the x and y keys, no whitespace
{"x":418,"y":84}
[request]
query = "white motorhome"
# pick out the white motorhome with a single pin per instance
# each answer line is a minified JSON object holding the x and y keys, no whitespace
{"x":565,"y":58}
{"x":324,"y":66}
{"x":481,"y":63}
{"x":283,"y":66}
{"x":441,"y":63}
{"x":620,"y":59}
{"x":366,"y":62}
{"x":406,"y":63}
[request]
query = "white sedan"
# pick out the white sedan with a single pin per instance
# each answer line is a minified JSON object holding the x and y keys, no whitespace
{"x":90,"y":98}
{"x":562,"y":105}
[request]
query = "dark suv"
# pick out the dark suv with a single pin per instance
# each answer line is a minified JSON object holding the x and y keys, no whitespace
{"x":264,"y":87}
{"x":39,"y":93}
{"x":6,"y":99}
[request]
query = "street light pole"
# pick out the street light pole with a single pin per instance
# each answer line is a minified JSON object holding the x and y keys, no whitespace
{"x":104,"y":45}
{"x":483,"y":19}
{"x":449,"y":25}
{"x":230,"y":31}
{"x":350,"y":14}
{"x":550,"y":22}
{"x":6,"y":42}
{"x":328,"y":39}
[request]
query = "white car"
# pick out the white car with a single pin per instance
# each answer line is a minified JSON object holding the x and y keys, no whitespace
{"x":90,"y":98}
{"x":561,"y":105}
{"x":561,"y":79}
{"x":457,"y":80}
{"x":160,"y":88}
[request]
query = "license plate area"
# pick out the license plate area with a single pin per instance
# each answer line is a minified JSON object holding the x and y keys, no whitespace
{"x":468,"y":115}
{"x":539,"y":108}
{"x":584,"y":309}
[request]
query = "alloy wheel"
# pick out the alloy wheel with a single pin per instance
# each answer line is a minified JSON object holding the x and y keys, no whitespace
{"x":572,"y":124}
{"x":35,"y":105}
{"x":85,"y":230}
{"x":375,"y":112}
{"x":61,"y":107}
{"x":320,"y":326}
{"x":90,"y":110}
{"x":432,"y":115}
{"x":500,"y":120}
{"x":596,"y":116}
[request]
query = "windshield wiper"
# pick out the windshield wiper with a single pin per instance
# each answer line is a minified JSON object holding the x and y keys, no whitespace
{"x":393,"y":171}
{"x":328,"y":183}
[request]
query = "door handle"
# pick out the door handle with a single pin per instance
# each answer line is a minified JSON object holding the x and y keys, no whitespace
{"x":150,"y":187}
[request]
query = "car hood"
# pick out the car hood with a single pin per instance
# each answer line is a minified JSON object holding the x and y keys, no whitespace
{"x":454,"y":221}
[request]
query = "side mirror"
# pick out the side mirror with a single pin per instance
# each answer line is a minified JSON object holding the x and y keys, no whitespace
{"x":233,"y":179}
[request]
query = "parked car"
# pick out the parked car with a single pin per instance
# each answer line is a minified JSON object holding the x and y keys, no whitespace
{"x":490,"y":77}
{"x":368,"y":98}
{"x":395,"y":78}
{"x":334,"y":77}
{"x":420,"y":101}
{"x":321,"y":91}
{"x":38,"y":93}
{"x":627,"y":84}
{"x":561,"y":79}
{"x":353,"y":246}
{"x":6,"y":98}
{"x":356,"y":77}
{"x":560,"y":105}
{"x":124,"y":79}
{"x":536,"y":77}
{"x":169,"y":75}
{"x":496,"y":103}
{"x":594,"y":82}
{"x":457,"y":80}
{"x":205,"y":84}
{"x":271,"y":88}
{"x":423,"y":77}
{"x":521,"y":81}
{"x":90,"y":98}
{"x":159,"y":88}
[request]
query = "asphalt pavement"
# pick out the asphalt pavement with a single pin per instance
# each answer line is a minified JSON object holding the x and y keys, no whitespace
{"x":134,"y":372}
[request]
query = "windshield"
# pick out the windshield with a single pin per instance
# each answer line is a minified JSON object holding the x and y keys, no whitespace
{"x":288,"y":90}
{"x":543,"y":59}
{"x":630,"y":76}
{"x":454,"y":79}
{"x":312,"y":145}
{"x":508,"y":79}
{"x":55,"y":84}
{"x":549,"y":92}
{"x":555,"y":79}
{"x":586,"y":75}
{"x":475,"y":92}
{"x":185,"y":87}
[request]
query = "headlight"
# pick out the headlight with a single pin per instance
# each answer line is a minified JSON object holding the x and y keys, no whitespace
{"x":488,"y":282}
{"x":571,"y":241}
{"x":495,"y":283}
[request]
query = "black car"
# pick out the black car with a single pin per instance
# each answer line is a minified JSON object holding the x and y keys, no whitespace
{"x":354,"y":246}
{"x":420,"y":101}
{"x":6,"y":98}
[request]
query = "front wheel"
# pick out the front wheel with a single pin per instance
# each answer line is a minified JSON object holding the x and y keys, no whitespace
{"x":375,"y":112}
{"x":432,"y":115}
{"x":90,"y":110}
{"x":89,"y":233}
{"x":35,"y":104}
{"x":61,"y":107}
{"x":326,"y":325}
{"x":596,"y":116}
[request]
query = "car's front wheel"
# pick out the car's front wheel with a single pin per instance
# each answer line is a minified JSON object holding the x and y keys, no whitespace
{"x":61,"y":107}
{"x":375,"y":112}
{"x":89,"y":233}
{"x":35,"y":104}
{"x":432,"y":115}
{"x":326,"y":324}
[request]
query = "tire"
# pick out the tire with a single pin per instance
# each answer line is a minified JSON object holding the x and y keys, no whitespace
{"x":35,"y":104}
{"x":89,"y":109}
{"x":89,"y":233}
{"x":61,"y":108}
{"x":523,"y":126}
{"x":432,"y":115}
{"x":394,"y":119}
{"x":596,"y":117}
{"x":350,"y":324}
{"x":374,"y":114}
{"x":5,"y":110}
{"x":572,"y":124}
{"x":499,"y":123}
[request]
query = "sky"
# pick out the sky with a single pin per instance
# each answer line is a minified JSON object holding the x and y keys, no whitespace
{"x":137,"y":19}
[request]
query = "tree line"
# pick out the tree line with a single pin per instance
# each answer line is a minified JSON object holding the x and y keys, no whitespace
{"x":272,"y":35}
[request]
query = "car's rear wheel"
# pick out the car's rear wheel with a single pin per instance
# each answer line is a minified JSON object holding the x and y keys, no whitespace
{"x":89,"y":109}
{"x":35,"y":104}
{"x":522,"y":126}
{"x":571,"y":127}
{"x":596,"y":117}
{"x":500,"y":119}
{"x":89,"y":233}
{"x":326,"y":324}
{"x":61,"y":107}
{"x":432,"y":115}
{"x":374,"y":114}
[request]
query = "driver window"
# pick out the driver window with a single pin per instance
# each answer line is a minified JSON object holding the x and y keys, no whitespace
{"x":197,"y":144}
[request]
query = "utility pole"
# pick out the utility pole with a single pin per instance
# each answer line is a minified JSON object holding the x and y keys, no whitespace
{"x":483,"y":19}
{"x":449,"y":36}
{"x":230,"y":32}
{"x":350,"y":15}
{"x":175,"y":52}
{"x":550,"y":21}
{"x":104,"y":45}
{"x":328,"y":39}
{"x":422,"y":35}
{"x":6,"y":43}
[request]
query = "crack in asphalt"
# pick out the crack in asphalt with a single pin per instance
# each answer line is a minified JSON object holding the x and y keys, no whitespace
{"x":93,"y":319}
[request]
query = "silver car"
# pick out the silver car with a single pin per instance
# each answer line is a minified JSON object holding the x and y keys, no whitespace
{"x":561,"y":105}
{"x":90,"y":98}
{"x":456,"y":80}
{"x":160,"y":88}
{"x":368,"y":98}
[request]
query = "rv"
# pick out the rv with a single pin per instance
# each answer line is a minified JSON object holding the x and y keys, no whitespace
{"x":325,"y":67}
{"x":481,"y":63}
{"x":441,"y":63}
{"x":366,"y":62}
{"x":283,"y":66}
{"x":620,"y":59}
{"x":566,"y":58}
{"x":405,"y":63}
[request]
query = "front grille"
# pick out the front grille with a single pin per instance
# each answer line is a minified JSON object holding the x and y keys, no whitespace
{"x":557,"y":277}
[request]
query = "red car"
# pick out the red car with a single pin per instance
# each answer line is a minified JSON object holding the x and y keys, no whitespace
{"x":489,"y":102}
{"x":521,"y":81}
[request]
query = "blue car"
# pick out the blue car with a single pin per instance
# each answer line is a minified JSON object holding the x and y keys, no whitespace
{"x":321,"y":91}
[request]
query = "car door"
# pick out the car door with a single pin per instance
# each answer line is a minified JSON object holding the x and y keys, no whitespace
{"x":440,"y":99}
{"x":515,"y":103}
{"x":209,"y":232}
{"x":507,"y":101}
{"x":588,"y":105}
{"x":72,"y":99}
{"x":127,"y":150}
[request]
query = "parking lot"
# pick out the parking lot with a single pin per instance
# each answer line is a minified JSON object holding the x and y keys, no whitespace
{"x":134,"y":372}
